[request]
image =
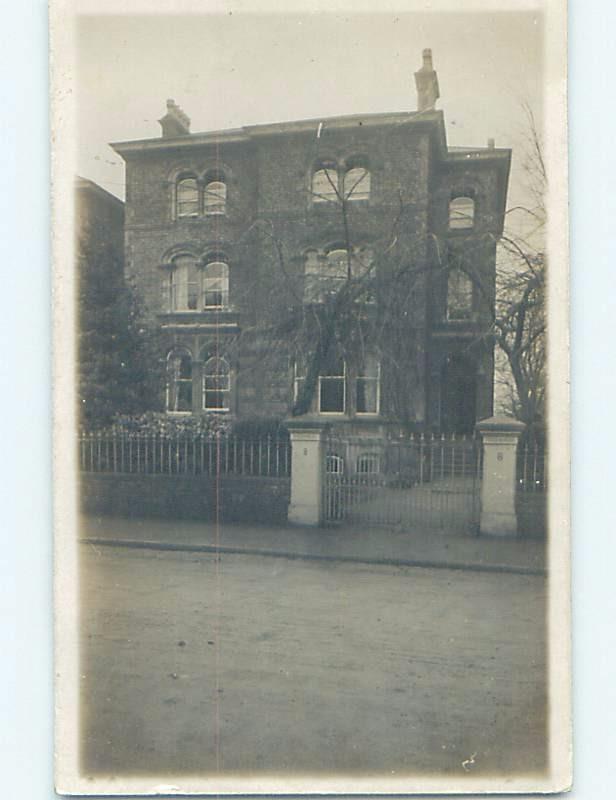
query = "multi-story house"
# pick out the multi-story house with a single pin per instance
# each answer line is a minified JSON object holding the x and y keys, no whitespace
{"x":238,"y":242}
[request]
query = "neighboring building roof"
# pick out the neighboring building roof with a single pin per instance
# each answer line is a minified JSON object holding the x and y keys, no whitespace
{"x":86,"y":185}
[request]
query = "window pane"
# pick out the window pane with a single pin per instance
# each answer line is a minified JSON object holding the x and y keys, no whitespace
{"x":461,"y":213}
{"x":215,"y":400}
{"x":331,"y":395}
{"x":184,"y":396}
{"x":369,"y":368}
{"x":217,"y":382}
{"x":367,"y":396}
{"x":357,"y":184}
{"x":185,"y":367}
{"x":325,"y":185}
{"x":188,"y":198}
{"x":368,"y":464}
{"x":179,"y":382}
{"x":362,"y":261}
{"x":215,"y":197}
{"x":333,"y":366}
{"x":185,"y":284}
{"x":337,"y":261}
{"x":334,"y":465}
{"x":459,"y":295}
{"x":192,"y":296}
{"x":216,"y":285}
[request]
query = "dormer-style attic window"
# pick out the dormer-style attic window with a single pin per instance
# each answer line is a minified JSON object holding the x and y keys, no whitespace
{"x":461,"y":212}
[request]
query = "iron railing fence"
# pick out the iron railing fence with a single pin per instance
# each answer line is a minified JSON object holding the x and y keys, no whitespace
{"x":532,"y":467}
{"x":421,"y":480}
{"x":184,"y":454}
{"x":404,"y":461}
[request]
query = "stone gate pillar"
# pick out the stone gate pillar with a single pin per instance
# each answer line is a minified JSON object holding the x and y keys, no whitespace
{"x":307,"y":467}
{"x":498,"y":487}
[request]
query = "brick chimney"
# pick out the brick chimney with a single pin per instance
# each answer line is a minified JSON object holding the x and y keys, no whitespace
{"x":426,"y":81}
{"x":175,"y":122}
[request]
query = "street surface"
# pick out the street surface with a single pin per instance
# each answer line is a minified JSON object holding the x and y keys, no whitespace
{"x":192,"y":664}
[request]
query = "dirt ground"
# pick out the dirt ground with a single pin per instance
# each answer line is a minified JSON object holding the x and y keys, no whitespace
{"x":193,"y":664}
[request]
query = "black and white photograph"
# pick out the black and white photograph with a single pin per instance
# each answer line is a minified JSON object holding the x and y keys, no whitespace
{"x":310,"y":397}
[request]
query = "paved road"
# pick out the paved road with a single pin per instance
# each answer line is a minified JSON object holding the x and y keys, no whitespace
{"x":192,"y":664}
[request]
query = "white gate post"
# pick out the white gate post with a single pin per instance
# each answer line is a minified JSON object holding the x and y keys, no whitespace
{"x":307,"y":465}
{"x":498,"y":487}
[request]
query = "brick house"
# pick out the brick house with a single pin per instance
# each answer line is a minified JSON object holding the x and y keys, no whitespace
{"x":227,"y":231}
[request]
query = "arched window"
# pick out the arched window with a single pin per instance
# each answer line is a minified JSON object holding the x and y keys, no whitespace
{"x":181,"y":285}
{"x":216,"y":384}
{"x":216,"y":284}
{"x":325,"y":183}
{"x":338,"y":262}
{"x":367,"y":386}
{"x":332,"y":386}
{"x":334,"y":464}
{"x":459,"y":295}
{"x":179,"y":381}
{"x":357,"y":183}
{"x":368,"y":464}
{"x":215,"y":195}
{"x":187,"y":198}
{"x":461,"y":212}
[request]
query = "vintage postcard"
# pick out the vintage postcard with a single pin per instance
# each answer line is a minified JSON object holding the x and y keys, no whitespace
{"x":311,"y":397}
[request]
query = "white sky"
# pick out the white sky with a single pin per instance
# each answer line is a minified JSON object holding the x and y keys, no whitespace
{"x":234,"y":69}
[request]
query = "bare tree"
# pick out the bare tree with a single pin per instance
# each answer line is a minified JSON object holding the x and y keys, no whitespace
{"x":358,"y":299}
{"x":515,"y":299}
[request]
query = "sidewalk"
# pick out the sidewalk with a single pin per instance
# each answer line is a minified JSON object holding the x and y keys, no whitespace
{"x":375,"y":545}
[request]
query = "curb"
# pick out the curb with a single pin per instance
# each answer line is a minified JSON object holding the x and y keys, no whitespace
{"x":139,"y":544}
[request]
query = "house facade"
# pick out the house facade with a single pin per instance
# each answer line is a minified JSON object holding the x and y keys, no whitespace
{"x":234,"y":239}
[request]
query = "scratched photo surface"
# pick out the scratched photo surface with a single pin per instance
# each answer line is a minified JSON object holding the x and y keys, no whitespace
{"x":304,"y":399}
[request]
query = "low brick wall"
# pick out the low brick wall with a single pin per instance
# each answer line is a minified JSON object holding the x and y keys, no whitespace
{"x":239,"y":499}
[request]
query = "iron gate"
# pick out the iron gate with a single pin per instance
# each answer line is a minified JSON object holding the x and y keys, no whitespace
{"x":423,"y":481}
